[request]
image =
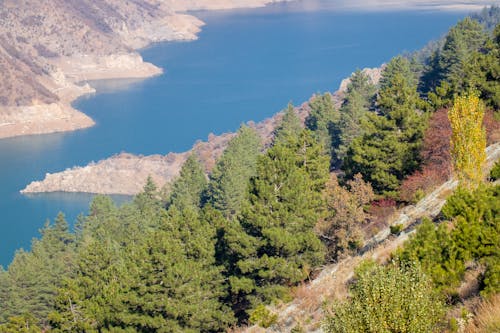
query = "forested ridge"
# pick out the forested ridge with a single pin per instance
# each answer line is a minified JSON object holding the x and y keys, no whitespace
{"x":208,"y":253}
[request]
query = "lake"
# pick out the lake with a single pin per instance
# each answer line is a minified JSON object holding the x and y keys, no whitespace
{"x":246,"y":65}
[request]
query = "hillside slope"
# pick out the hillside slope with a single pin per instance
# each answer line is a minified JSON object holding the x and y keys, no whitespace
{"x":48,"y":47}
{"x":307,"y":310}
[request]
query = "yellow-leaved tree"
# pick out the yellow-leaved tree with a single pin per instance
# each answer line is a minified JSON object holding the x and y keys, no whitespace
{"x":468,"y":139}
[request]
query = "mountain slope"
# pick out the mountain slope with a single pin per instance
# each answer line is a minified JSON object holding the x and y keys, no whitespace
{"x":47,"y":47}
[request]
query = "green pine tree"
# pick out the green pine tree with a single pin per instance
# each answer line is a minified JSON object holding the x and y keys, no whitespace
{"x":482,"y":72}
{"x":290,"y":124}
{"x":323,"y":120}
{"x":389,"y":148}
{"x":29,"y":286}
{"x":179,"y":286}
{"x":229,"y":179}
{"x":188,"y":189}
{"x":464,"y":38}
{"x":278,"y":246}
{"x":359,"y":99}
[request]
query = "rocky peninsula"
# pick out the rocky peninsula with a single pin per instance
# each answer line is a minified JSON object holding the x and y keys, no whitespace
{"x":126,"y":173}
{"x":48,"y":47}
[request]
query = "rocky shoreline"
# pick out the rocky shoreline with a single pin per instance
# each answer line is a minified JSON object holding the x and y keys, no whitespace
{"x":126,"y":173}
{"x":60,"y":116}
{"x":57,"y":76}
{"x":42,"y":119}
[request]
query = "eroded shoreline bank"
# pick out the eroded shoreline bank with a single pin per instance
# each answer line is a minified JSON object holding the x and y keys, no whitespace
{"x":61,"y":76}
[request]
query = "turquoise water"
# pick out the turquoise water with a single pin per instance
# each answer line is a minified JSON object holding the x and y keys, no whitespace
{"x":246,"y":65}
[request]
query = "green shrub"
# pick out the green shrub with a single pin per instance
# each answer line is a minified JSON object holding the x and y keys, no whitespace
{"x":453,"y":325}
{"x":495,"y":172}
{"x":263,"y":317}
{"x":396,"y":229}
{"x":388,"y":299}
{"x":491,"y":281}
{"x":419,"y":195}
{"x":472,"y":234}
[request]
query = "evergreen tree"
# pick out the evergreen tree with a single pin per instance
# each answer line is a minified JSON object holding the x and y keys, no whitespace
{"x":29,"y":287}
{"x":148,"y":195}
{"x":106,"y":221}
{"x":389,"y":148}
{"x":148,"y":204}
{"x":323,"y":120}
{"x":21,"y":324}
{"x":433,"y":248}
{"x":278,"y":246}
{"x":179,"y":287}
{"x":91,"y":301}
{"x":399,"y":102}
{"x":398,"y":67}
{"x":377,"y":155}
{"x":162,"y":279}
{"x":482,"y":72}
{"x":290,"y":124}
{"x":358,"y":101}
{"x":429,"y":81}
{"x":467,"y":36}
{"x":471,"y":235}
{"x":445,"y":74}
{"x":188,"y":189}
{"x":229,"y":179}
{"x":361,"y":83}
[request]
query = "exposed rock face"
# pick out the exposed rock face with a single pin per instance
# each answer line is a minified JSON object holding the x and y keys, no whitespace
{"x":127,"y":174}
{"x":374,"y":74}
{"x":129,"y":170}
{"x":119,"y":65}
{"x":36,"y":119}
{"x":48,"y":46}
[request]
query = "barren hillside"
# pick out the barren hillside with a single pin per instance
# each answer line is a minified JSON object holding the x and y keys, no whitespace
{"x":48,"y":46}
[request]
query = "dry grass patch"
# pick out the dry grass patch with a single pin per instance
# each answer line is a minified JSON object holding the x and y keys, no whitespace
{"x":470,"y":285}
{"x":487,"y":316}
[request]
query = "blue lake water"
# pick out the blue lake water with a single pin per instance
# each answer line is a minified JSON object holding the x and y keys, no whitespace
{"x":246,"y":65}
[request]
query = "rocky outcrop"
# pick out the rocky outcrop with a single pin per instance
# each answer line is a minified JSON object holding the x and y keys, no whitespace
{"x":120,"y":65}
{"x":41,"y":119}
{"x":48,"y":46}
{"x":127,"y":174}
{"x":129,"y":170}
{"x":374,"y":74}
